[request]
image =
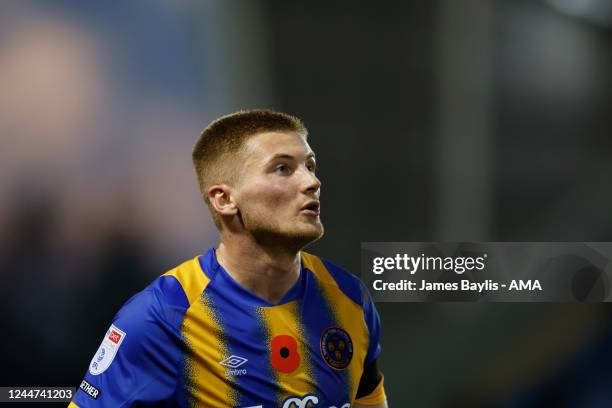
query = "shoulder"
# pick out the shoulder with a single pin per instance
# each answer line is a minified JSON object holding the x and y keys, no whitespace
{"x":166,"y":299}
{"x":139,"y":356}
{"x":331,"y":273}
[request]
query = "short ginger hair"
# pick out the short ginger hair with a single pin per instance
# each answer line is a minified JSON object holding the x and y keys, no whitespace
{"x":215,"y":152}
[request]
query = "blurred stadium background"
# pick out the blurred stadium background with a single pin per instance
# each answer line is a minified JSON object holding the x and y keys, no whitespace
{"x":442,"y":120}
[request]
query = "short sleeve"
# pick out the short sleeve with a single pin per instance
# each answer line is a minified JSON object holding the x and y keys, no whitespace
{"x":137,"y":361}
{"x":376,"y":397}
{"x":372,"y":320}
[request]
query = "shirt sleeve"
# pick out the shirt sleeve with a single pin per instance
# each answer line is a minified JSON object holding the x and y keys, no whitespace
{"x":377,"y":396}
{"x":371,"y":388}
{"x":372,"y":320}
{"x":137,"y":361}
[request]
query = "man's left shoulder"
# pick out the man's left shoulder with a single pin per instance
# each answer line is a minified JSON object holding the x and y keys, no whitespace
{"x":348,"y":283}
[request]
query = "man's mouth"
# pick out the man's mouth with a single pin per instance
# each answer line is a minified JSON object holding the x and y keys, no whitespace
{"x":311,"y":208}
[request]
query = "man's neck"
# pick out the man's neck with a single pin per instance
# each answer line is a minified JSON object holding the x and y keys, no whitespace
{"x":269,"y":272}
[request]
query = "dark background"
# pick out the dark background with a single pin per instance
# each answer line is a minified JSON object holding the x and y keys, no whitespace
{"x":432,"y":121}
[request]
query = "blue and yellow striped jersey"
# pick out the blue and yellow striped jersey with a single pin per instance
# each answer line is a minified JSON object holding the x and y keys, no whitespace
{"x":195,"y":337}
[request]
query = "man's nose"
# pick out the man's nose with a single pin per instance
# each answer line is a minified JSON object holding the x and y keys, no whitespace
{"x":312,"y":183}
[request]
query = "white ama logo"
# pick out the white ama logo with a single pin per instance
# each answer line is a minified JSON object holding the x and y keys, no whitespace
{"x":296,"y":402}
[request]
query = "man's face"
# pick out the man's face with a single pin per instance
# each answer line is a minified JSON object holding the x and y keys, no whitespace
{"x":278,"y":193}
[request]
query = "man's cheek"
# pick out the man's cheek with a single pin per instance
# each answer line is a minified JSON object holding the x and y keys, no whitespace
{"x":276,"y":196}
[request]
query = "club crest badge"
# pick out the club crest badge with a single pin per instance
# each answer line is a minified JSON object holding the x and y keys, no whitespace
{"x":107,"y":350}
{"x":336,"y":348}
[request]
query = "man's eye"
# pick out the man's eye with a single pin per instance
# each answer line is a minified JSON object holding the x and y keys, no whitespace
{"x":311,"y":167}
{"x":283,"y":169}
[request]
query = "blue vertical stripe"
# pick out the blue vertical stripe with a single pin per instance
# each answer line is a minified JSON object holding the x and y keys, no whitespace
{"x":317,"y":316}
{"x":246,"y":338}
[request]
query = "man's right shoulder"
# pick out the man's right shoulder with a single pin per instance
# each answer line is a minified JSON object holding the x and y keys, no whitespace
{"x":169,"y":296}
{"x":140,"y":354}
{"x":190,"y":276}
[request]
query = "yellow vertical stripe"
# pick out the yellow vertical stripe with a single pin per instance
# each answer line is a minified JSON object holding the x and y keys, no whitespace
{"x":191,"y":277}
{"x":204,"y":336}
{"x":207,"y":347}
{"x":284,"y":319}
{"x":348,"y":314}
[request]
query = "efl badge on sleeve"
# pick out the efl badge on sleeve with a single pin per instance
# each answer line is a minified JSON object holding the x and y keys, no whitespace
{"x":107,"y":350}
{"x":336,"y":348}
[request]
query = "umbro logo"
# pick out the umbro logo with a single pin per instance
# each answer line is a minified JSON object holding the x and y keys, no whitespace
{"x":233,"y":362}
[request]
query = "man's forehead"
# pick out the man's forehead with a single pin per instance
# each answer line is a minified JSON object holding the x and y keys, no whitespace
{"x":267,"y":145}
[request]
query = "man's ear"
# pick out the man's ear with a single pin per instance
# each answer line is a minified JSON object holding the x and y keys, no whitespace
{"x":222,"y":200}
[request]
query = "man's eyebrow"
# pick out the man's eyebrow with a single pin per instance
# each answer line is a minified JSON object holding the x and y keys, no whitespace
{"x":290,"y":157}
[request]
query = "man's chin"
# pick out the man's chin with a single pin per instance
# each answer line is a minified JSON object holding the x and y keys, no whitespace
{"x":295,"y":239}
{"x":313,"y":236}
{"x":299,"y":238}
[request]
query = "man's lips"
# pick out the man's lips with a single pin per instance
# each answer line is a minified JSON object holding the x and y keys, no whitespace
{"x":312,"y":208}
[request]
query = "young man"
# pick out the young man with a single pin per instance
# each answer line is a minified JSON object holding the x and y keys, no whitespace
{"x":255,"y":322}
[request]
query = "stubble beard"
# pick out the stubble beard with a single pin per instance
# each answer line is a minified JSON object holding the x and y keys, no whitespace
{"x":268,"y":232}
